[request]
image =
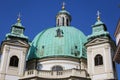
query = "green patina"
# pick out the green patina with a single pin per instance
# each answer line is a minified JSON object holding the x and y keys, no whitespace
{"x":17,"y":31}
{"x":65,"y":41}
{"x":69,"y":43}
{"x":63,"y":11}
{"x":99,"y":29}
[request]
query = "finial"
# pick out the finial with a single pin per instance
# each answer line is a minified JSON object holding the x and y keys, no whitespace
{"x":19,"y":18}
{"x":63,"y":5}
{"x":98,"y":15}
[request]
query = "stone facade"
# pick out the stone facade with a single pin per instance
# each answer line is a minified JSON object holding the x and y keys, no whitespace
{"x":102,"y":47}
{"x":61,"y":53}
{"x":11,"y":49}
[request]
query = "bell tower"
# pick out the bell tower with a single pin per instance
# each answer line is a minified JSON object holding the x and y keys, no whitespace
{"x":13,"y":53}
{"x":100,"y":51}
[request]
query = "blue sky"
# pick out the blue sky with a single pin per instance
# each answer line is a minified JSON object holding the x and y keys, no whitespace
{"x":38,"y":15}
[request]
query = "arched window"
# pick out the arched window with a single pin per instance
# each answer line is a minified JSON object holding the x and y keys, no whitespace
{"x":67,"y":22}
{"x":57,"y":68}
{"x":98,"y":60}
{"x":57,"y":22}
{"x":63,"y":21}
{"x":14,"y":61}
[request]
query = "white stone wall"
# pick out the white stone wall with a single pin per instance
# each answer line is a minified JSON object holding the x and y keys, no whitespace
{"x":47,"y":65}
{"x":8,"y":72}
{"x":19,"y":52}
{"x":106,"y":70}
{"x":60,"y":20}
{"x":10,"y":77}
{"x":103,"y":76}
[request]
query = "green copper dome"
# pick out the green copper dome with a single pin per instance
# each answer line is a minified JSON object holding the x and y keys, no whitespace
{"x":58,"y":41}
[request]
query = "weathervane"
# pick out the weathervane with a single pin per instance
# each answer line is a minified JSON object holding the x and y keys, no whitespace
{"x":19,"y":18}
{"x":63,"y":5}
{"x":98,"y":15}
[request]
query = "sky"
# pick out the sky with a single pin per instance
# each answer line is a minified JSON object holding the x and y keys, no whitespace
{"x":37,"y":15}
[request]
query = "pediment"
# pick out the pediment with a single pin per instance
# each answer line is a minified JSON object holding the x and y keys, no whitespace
{"x":15,"y":43}
{"x":97,"y":41}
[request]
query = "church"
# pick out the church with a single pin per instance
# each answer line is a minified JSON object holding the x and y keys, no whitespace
{"x":62,"y":52}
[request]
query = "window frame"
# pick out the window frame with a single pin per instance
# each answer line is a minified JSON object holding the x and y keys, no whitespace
{"x":98,"y":60}
{"x":14,"y":61}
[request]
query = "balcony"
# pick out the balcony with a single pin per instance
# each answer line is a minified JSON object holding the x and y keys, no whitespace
{"x":54,"y":74}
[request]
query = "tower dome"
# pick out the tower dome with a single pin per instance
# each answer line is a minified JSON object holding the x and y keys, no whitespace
{"x":59,"y":42}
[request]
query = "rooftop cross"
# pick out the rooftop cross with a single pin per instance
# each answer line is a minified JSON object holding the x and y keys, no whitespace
{"x":63,"y":5}
{"x":19,"y":18}
{"x":98,"y":15}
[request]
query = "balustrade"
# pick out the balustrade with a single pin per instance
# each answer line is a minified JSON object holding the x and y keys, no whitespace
{"x":55,"y":74}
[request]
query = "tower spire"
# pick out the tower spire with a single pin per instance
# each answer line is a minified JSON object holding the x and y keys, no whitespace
{"x":63,"y":6}
{"x":19,"y":18}
{"x":98,"y":15}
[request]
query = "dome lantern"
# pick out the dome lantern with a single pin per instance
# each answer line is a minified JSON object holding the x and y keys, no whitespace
{"x":63,"y":17}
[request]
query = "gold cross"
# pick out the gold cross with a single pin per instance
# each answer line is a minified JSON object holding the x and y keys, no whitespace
{"x":63,"y":5}
{"x":19,"y":17}
{"x":98,"y":15}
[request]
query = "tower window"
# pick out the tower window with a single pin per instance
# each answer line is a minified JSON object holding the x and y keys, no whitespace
{"x":67,"y":22}
{"x":98,"y":60}
{"x":14,"y":61}
{"x":57,"y":68}
{"x":58,"y":22}
{"x":63,"y":21}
